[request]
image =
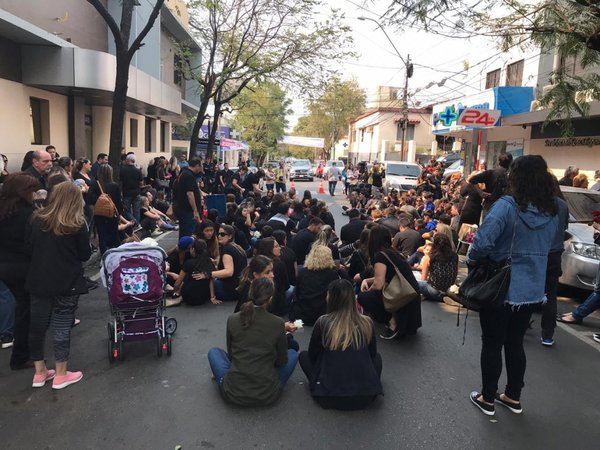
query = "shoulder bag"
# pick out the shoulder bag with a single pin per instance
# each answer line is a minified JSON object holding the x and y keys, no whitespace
{"x":486,"y":285}
{"x":398,"y":292}
{"x":104,"y":206}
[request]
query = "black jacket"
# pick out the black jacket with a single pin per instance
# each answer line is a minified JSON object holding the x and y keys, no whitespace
{"x":56,"y":268}
{"x":350,"y":233}
{"x":14,"y":261}
{"x":311,"y":293}
{"x":301,"y":244}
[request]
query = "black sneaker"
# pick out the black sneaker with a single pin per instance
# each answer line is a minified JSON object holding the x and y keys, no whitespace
{"x":514,"y":407}
{"x":388,"y":333}
{"x":488,"y":410}
{"x":7,"y":341}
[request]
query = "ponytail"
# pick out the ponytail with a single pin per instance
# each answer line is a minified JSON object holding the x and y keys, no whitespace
{"x":261,"y":292}
{"x":258,"y":264}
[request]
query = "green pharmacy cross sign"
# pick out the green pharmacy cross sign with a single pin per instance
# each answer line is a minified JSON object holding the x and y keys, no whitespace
{"x":448,"y":117}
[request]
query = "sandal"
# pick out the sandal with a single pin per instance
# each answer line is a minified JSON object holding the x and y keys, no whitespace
{"x":561,"y":318}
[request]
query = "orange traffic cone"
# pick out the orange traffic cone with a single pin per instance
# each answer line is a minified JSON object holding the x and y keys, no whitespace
{"x":321,"y":188}
{"x":293,"y":185}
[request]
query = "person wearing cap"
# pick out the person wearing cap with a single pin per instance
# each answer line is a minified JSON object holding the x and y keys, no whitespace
{"x":131,"y":180}
{"x":350,"y":232}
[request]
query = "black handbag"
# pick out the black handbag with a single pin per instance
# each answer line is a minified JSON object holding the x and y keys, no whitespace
{"x":486,"y":285}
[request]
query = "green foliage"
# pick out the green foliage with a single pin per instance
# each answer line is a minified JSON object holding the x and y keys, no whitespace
{"x":331,"y":112}
{"x":260,"y":112}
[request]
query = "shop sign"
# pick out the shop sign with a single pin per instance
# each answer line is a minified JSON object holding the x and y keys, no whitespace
{"x":451,"y":113}
{"x":572,"y":142}
{"x":479,"y":118}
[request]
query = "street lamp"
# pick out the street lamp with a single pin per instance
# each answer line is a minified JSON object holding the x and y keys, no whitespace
{"x":409,"y":73}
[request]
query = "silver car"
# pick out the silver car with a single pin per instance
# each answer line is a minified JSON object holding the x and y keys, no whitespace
{"x":301,"y":169}
{"x":581,"y":257}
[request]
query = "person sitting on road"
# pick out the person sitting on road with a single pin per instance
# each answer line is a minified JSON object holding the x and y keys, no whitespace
{"x":342,"y":364}
{"x":257,"y":363}
{"x":196,"y":292}
{"x":311,"y":285}
{"x":439,"y":269}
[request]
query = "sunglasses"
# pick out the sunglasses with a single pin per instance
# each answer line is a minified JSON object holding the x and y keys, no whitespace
{"x":221,"y":234}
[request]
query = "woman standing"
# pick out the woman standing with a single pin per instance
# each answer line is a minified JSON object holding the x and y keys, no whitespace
{"x":311,"y":285}
{"x":342,"y":364}
{"x":81,"y":171}
{"x":385,"y":260}
{"x":522,"y":226}
{"x":439,"y":269}
{"x":257,"y":363}
{"x":16,"y":208}
{"x":107,"y":227}
{"x":59,"y":243}
{"x":232,"y":261}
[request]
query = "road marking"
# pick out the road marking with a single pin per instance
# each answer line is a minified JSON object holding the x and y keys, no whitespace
{"x":583,"y":336}
{"x":97,"y":276}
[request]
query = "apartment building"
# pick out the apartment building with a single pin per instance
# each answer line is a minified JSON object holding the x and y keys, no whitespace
{"x":57,"y":76}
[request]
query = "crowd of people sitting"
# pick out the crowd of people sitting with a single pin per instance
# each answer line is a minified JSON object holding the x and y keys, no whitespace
{"x":274,"y":256}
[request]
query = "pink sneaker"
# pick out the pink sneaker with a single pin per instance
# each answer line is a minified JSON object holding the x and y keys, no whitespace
{"x":39,"y":379}
{"x":61,"y":382}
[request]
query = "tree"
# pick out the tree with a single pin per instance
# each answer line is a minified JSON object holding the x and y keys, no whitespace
{"x":248,"y":41}
{"x":569,"y":27}
{"x":124,"y":52}
{"x":260,"y":112}
{"x":331,"y":113}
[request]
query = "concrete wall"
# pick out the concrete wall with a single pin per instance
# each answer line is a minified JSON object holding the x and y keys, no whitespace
{"x":15,"y":121}
{"x":77,"y":21}
{"x":559,"y":158}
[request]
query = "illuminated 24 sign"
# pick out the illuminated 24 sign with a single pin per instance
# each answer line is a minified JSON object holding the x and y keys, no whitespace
{"x":479,"y":118}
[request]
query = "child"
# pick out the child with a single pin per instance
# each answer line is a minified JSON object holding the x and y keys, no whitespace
{"x":196,"y":292}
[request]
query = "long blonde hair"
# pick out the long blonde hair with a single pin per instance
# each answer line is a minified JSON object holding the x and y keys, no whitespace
{"x":319,"y":258}
{"x":64,"y":212}
{"x":345,"y":327}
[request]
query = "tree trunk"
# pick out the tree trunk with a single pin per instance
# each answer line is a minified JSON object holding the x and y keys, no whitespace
{"x":212,"y":132}
{"x":118,"y":114}
{"x":194,"y":139}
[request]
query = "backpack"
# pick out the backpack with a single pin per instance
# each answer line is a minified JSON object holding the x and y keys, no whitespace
{"x":104,"y":206}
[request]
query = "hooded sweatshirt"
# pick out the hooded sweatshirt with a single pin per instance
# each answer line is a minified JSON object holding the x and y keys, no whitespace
{"x":534,"y":234}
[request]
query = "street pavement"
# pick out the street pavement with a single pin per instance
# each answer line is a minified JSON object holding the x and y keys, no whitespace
{"x":146,"y":402}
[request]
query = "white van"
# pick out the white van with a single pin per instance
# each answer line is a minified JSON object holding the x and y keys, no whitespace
{"x":401,"y":175}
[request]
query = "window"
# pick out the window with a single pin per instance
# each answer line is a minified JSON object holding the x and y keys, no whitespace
{"x":492,"y":79}
{"x":514,"y":73}
{"x":133,"y":133}
{"x":393,"y":95}
{"x":177,"y":78}
{"x":148,"y":136}
{"x":164,"y":136}
{"x":39,"y":112}
{"x":410,"y":132}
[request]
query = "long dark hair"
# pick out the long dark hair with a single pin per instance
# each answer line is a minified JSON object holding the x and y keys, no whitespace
{"x":530,"y":183}
{"x":265,"y":247}
{"x":380,"y":239}
{"x":203,"y":262}
{"x":104,"y":175}
{"x":258,"y":264}
{"x":17,"y":190}
{"x":441,"y":250}
{"x":261,"y":292}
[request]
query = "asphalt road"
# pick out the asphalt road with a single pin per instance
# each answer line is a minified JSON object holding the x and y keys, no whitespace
{"x":149,"y":403}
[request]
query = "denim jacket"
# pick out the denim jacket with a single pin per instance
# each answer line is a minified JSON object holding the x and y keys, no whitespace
{"x":534,"y":234}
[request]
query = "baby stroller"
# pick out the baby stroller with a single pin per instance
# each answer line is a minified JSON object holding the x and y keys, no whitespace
{"x":135,"y":277}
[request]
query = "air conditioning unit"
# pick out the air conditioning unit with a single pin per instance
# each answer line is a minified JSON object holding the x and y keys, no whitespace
{"x":586,"y":96}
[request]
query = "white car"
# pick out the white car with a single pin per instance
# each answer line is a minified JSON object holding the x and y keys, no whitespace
{"x":401,"y":175}
{"x":339,"y":164}
{"x":301,"y":169}
{"x":582,"y":256}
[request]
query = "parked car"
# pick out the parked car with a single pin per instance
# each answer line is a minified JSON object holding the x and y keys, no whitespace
{"x":401,"y":176}
{"x":338,"y":163}
{"x":271,"y":164}
{"x":449,"y":158}
{"x":582,"y":256}
{"x":301,"y":169}
{"x":456,"y":166}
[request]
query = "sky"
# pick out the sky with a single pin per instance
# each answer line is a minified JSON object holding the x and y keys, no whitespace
{"x":434,"y":57}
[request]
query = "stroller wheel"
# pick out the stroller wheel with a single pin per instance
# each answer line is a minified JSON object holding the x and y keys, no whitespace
{"x":170,"y":326}
{"x":111,"y":348}
{"x":111,"y":331}
{"x":169,"y":344}
{"x":158,"y":345}
{"x":121,"y":352}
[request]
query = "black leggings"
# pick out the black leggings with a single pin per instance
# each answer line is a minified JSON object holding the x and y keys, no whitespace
{"x":61,"y":312}
{"x":503,"y":328}
{"x":341,"y":403}
{"x":549,"y":309}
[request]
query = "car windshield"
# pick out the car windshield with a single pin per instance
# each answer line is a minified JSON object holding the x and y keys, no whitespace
{"x":337,"y":163}
{"x":581,"y":203}
{"x":455,"y":165}
{"x":301,"y":162}
{"x":403,"y":170}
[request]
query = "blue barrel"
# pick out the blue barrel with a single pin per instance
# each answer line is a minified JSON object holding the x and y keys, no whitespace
{"x":216,"y":201}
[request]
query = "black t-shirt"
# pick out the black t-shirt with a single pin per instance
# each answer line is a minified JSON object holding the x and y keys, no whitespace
{"x":239,"y":263}
{"x":130,"y":177}
{"x":249,"y":182}
{"x":401,"y":264}
{"x":289,"y":258}
{"x":187,"y":183}
{"x":194,"y":292}
{"x":302,"y":243}
{"x":227,"y":176}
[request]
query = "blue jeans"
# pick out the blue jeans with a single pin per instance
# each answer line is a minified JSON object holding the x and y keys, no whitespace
{"x":289,"y":295}
{"x":332,"y":185}
{"x":591,"y":304}
{"x":187,"y":225}
{"x":7,"y":311}
{"x":132,"y":206}
{"x":220,"y":363}
{"x":429,"y":292}
{"x":280,"y":187}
